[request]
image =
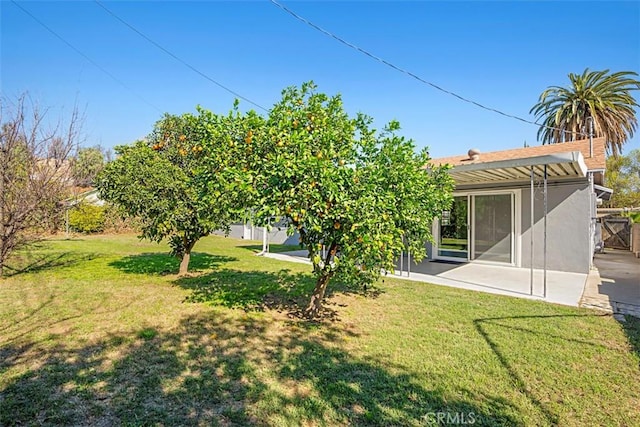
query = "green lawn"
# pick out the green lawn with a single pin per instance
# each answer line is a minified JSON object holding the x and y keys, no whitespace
{"x":99,"y":331}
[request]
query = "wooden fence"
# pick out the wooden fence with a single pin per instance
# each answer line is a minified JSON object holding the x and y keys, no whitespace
{"x":616,"y":232}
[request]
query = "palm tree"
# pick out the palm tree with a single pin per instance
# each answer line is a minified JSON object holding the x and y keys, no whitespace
{"x":594,"y":95}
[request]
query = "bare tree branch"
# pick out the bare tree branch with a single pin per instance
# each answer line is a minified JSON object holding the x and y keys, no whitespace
{"x":34,"y":171}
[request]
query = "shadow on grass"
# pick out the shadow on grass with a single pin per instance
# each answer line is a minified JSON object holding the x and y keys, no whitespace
{"x":258,"y":290}
{"x":218,"y":369}
{"x":36,"y":262}
{"x":483,"y":326}
{"x":162,"y":263}
{"x":631,"y":327}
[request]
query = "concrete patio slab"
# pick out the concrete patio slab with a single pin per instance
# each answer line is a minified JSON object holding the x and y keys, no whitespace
{"x":562,"y":288}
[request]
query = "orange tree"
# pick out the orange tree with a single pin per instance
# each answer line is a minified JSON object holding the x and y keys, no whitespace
{"x":364,"y":196}
{"x":187,"y":179}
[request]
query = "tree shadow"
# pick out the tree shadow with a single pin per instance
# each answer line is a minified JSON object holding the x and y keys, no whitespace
{"x":483,"y":325}
{"x":219,"y":369}
{"x":283,"y":291}
{"x":145,"y":378}
{"x":631,"y":327}
{"x":366,"y":392}
{"x":161,"y":263}
{"x":35,"y":263}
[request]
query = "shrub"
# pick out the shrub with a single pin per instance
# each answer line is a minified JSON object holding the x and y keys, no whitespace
{"x":87,"y":218}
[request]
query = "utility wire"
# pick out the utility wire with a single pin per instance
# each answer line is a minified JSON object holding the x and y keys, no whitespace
{"x":79,"y":52}
{"x":183,"y":62}
{"x":410,"y":74}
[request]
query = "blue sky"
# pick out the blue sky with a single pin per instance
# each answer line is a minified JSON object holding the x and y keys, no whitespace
{"x":500,"y":54}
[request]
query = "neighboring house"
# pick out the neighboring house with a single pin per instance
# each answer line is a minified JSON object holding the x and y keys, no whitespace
{"x":248,"y":231}
{"x":84,"y":195}
{"x":494,"y":218}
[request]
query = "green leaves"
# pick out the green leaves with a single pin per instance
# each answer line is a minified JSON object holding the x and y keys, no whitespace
{"x":593,"y":95}
{"x":342,"y":185}
{"x":187,"y":179}
{"x":623,"y":176}
{"x":357,"y":197}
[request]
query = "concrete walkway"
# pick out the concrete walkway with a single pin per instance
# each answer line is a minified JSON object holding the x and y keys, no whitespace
{"x":614,"y":285}
{"x":562,"y":288}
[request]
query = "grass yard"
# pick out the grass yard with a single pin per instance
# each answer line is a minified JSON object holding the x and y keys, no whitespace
{"x":100,"y":332}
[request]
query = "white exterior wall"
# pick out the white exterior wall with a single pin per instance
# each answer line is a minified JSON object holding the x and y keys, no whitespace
{"x":568,"y":227}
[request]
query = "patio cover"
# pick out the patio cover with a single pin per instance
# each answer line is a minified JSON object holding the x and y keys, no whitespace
{"x":560,"y":166}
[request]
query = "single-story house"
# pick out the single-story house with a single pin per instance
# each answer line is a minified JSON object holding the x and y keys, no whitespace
{"x":532,"y":206}
{"x":90,"y":196}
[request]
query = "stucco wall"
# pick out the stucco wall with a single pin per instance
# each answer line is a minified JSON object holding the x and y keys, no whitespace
{"x":568,"y":221}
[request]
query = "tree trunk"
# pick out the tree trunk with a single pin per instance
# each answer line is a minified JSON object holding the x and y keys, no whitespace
{"x":315,"y":305}
{"x":186,"y":257}
{"x":184,"y":263}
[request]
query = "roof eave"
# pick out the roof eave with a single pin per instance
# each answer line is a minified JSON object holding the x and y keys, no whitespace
{"x":570,"y":164}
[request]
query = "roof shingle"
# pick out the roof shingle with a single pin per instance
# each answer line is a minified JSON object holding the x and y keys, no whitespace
{"x":598,"y":161}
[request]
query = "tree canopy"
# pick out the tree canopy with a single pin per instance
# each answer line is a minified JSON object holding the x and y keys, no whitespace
{"x":361,"y":195}
{"x":86,"y":165}
{"x":598,"y":96}
{"x":187,"y":179}
{"x":623,"y":177}
{"x":357,"y":197}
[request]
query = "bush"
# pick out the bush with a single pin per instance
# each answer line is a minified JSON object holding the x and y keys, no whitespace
{"x":635,"y":217}
{"x":87,"y":218}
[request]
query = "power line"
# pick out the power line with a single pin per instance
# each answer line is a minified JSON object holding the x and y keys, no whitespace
{"x":410,"y":74}
{"x":79,"y":52}
{"x":183,"y":62}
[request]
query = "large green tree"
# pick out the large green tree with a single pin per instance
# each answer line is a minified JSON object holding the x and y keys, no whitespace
{"x":86,"y":165}
{"x":357,"y":197}
{"x":623,"y":176}
{"x":187,"y":179}
{"x":606,"y":98}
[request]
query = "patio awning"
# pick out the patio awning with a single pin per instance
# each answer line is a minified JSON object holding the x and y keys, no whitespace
{"x":559,"y":167}
{"x":603,"y":193}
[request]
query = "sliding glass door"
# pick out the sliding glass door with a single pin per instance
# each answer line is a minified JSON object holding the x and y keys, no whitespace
{"x":492,"y":229}
{"x":479,"y":227}
{"x":453,"y":239}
